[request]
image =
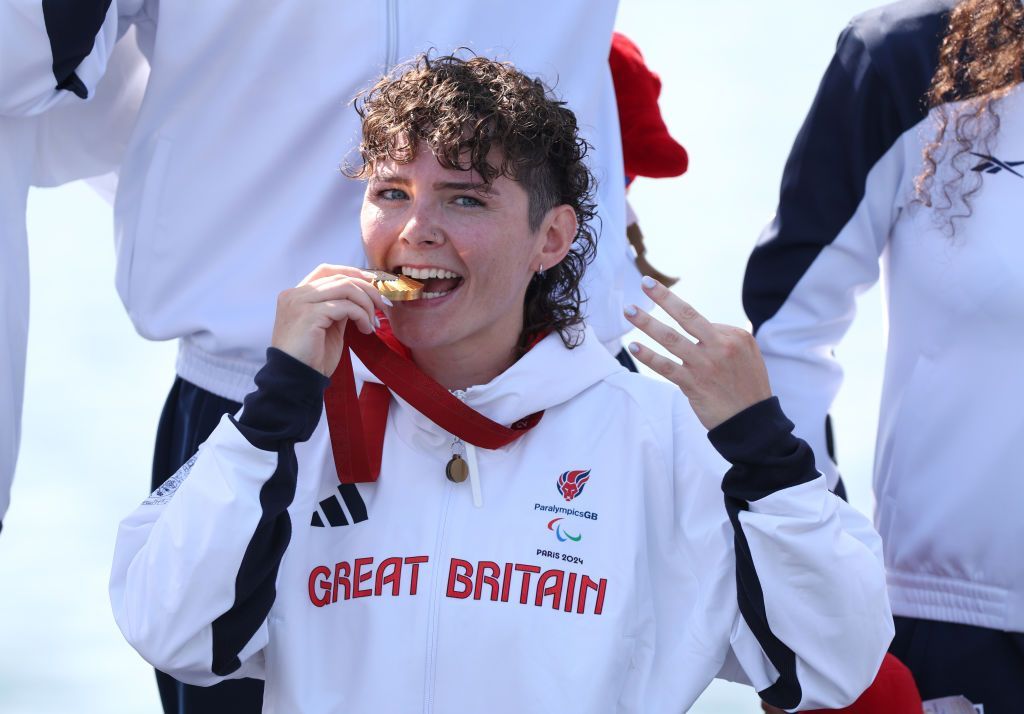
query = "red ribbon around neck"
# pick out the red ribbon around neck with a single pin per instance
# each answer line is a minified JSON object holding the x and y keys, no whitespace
{"x":357,"y":424}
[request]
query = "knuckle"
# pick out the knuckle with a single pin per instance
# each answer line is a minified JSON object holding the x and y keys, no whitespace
{"x":689,"y":313}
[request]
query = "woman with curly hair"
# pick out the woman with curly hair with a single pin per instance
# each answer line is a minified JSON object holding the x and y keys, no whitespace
{"x":911,"y":162}
{"x":504,"y":519}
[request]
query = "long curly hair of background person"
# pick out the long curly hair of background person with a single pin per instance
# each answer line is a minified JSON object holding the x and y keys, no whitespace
{"x":980,"y":61}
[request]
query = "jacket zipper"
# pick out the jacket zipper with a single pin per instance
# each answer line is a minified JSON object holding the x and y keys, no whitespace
{"x":391,"y":41}
{"x":440,"y":546}
{"x":462,"y":447}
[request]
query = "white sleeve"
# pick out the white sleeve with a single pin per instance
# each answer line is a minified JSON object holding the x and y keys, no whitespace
{"x":178,"y":556}
{"x":812,"y":619}
{"x":17,"y":136}
{"x":196,"y":565}
{"x":837,"y":204}
{"x":55,"y":50}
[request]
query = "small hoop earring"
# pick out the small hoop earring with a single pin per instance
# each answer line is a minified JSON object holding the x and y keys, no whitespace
{"x":540,"y":271}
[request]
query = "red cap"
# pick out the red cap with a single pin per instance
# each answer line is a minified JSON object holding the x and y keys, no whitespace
{"x":647,"y":147}
{"x":893,"y":692}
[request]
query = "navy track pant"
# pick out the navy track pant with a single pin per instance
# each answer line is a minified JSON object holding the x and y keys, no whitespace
{"x":947,"y":659}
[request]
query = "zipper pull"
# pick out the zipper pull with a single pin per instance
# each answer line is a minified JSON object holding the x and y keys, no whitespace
{"x":457,"y":469}
{"x":463,"y":463}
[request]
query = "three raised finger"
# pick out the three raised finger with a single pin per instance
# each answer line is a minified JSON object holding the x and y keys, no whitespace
{"x":668,"y":368}
{"x":679,"y":310}
{"x":669,"y":338}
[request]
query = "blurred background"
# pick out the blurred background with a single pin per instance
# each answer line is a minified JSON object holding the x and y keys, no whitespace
{"x":738,"y":77}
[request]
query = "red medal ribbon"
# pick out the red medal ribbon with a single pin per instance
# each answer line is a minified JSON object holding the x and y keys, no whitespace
{"x":357,"y":424}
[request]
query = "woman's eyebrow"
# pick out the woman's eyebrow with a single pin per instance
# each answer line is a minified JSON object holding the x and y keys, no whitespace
{"x":467,"y":186}
{"x":389,"y":177}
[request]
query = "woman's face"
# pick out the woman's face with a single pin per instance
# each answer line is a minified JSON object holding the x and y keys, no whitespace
{"x":469,"y":243}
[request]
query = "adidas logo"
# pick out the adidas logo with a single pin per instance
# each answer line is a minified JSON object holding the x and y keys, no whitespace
{"x":354,"y":510}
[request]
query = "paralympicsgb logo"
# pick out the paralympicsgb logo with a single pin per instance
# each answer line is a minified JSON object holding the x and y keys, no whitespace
{"x":570,"y":484}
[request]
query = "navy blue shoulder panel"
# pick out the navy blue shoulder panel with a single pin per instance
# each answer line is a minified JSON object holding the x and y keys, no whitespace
{"x":72,"y":26}
{"x":872,"y":92}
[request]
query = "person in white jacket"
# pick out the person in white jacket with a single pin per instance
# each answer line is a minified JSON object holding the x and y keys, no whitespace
{"x":908,"y":169}
{"x":229,"y":185}
{"x":64,"y":144}
{"x":504,"y":519}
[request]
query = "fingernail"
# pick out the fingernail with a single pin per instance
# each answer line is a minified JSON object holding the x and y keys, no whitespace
{"x":630,"y":310}
{"x":648,"y":282}
{"x":387,"y":302}
{"x":634,"y":348}
{"x":376,"y":321}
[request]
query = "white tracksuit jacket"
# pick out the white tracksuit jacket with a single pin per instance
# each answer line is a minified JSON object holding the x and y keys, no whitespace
{"x":230,"y":189}
{"x":625,"y":594}
{"x":948,"y":488}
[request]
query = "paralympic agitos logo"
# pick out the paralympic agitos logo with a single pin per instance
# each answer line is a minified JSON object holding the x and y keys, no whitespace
{"x":563,"y":535}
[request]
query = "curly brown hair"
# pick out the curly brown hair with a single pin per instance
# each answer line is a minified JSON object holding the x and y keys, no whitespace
{"x":980,"y":61}
{"x":461,"y":109}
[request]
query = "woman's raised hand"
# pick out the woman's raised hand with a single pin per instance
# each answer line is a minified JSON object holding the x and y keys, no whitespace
{"x":720,"y":370}
{"x":311,"y":317}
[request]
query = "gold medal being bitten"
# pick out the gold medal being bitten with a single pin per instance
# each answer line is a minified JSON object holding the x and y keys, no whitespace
{"x":397,"y":287}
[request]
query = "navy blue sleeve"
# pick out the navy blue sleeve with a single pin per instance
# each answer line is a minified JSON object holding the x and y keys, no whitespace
{"x":286,"y":406}
{"x":284,"y":410}
{"x":765,"y":458}
{"x":764,"y":454}
{"x":872,"y":92}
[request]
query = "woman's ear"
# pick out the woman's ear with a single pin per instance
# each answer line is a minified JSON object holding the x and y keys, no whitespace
{"x":558,"y":231}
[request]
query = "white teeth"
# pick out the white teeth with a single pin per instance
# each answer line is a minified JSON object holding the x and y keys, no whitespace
{"x":427,"y":273}
{"x":428,"y":296}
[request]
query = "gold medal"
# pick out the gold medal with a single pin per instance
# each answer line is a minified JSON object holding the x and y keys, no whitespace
{"x":397,"y":287}
{"x":457,"y":469}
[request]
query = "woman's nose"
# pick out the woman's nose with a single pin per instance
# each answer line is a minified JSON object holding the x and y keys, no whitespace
{"x":420,"y":229}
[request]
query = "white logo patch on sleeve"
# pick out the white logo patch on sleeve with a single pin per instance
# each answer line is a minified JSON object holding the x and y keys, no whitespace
{"x":163,"y":494}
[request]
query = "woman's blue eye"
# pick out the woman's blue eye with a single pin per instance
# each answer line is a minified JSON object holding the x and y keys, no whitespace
{"x":392,"y":194}
{"x":468,"y":201}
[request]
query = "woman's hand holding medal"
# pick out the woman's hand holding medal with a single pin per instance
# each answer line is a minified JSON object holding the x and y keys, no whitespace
{"x":721,"y":373}
{"x":311,"y":317}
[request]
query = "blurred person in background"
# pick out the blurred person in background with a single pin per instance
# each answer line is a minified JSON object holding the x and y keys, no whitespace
{"x":67,"y":143}
{"x":229,"y":189}
{"x":911,"y":163}
{"x":381,"y":593}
